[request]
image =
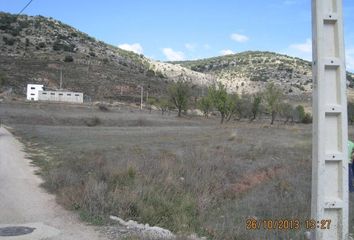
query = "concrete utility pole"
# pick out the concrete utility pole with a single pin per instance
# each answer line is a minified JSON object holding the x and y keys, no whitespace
{"x":330,"y":127}
{"x":141,"y":96}
{"x":61,"y":78}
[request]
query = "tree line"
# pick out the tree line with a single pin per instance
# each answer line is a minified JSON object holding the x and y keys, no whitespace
{"x":232,"y":106}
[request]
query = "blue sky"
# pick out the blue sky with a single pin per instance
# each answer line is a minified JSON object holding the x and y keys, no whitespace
{"x":192,"y":29}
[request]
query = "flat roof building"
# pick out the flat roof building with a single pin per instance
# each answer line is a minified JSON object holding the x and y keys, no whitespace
{"x":32,"y":91}
{"x":36,"y":92}
{"x":61,"y":96}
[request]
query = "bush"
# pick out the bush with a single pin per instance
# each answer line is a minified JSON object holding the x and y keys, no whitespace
{"x":8,"y":41}
{"x":287,"y":112}
{"x":103,"y":108}
{"x":307,"y":118}
{"x":92,"y":122}
{"x":2,"y":79}
{"x":205,"y":105}
{"x":6,"y":21}
{"x":150,"y":73}
{"x":58,"y":46}
{"x":27,"y":42}
{"x":15,"y":32}
{"x":350,"y":112}
{"x":23,"y":24}
{"x":163,"y":104}
{"x":299,"y":114}
{"x":68,"y":58}
{"x":41,"y":45}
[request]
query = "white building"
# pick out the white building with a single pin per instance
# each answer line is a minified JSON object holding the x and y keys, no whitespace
{"x":35,"y":92}
{"x":32,"y":91}
{"x":61,"y":96}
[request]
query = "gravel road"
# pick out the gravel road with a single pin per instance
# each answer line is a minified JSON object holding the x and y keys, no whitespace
{"x":24,"y":203}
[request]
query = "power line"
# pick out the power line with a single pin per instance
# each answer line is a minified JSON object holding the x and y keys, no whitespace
{"x":23,"y":9}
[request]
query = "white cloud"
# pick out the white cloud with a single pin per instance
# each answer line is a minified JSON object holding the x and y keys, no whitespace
{"x":173,"y":55}
{"x":206,"y":46}
{"x":304,"y":51}
{"x":135,"y":47}
{"x":300,"y":50}
{"x":305,"y":47}
{"x":227,"y":52}
{"x":239,"y":37}
{"x":190,"y":46}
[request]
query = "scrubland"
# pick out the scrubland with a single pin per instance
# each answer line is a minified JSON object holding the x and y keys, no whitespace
{"x":189,"y":175}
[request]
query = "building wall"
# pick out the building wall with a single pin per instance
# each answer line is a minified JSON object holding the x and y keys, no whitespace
{"x":61,"y":96}
{"x":32,"y":91}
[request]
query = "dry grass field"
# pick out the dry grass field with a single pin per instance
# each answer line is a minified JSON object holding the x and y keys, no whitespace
{"x":189,"y":175}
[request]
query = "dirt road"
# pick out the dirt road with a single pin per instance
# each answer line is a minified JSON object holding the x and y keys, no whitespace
{"x":24,"y":203}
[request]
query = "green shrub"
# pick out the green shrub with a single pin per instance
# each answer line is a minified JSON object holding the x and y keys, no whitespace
{"x":299,"y":113}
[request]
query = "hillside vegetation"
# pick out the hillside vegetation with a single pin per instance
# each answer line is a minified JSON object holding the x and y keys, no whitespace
{"x":34,"y":49}
{"x":250,"y":71}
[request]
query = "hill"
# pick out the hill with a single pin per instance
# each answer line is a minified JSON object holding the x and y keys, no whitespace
{"x":36,"y":49}
{"x":250,"y":71}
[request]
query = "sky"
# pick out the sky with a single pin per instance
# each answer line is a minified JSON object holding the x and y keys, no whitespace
{"x":169,"y":30}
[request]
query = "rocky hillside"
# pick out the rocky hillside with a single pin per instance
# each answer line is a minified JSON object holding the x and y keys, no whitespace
{"x":36,"y":49}
{"x":250,"y":71}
